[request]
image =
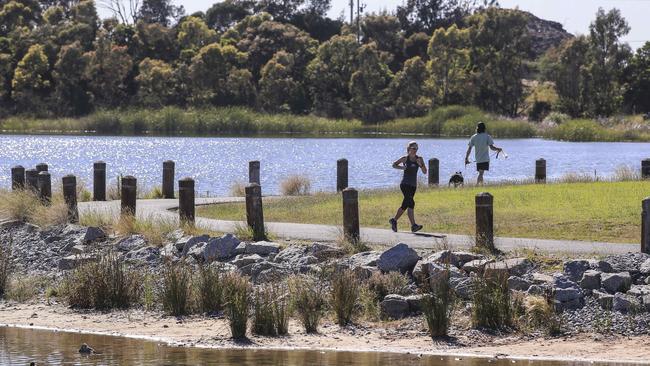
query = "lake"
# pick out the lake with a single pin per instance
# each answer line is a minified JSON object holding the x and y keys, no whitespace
{"x":216,"y":163}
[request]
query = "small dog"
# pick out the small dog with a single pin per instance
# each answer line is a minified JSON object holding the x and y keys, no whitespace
{"x":457,"y":180}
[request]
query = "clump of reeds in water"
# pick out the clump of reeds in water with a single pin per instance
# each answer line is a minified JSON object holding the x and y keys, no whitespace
{"x":492,"y":306}
{"x":308,"y":300}
{"x":270,"y":311}
{"x":237,"y":290}
{"x":176,"y":288}
{"x":344,"y":295}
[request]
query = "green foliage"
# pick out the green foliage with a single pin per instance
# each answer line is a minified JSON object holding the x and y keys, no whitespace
{"x":449,"y":61}
{"x":270,"y":311}
{"x":344,"y":294}
{"x":210,"y":289}
{"x":5,"y":267}
{"x":369,"y":85}
{"x":438,"y":306}
{"x":408,"y":90}
{"x":237,"y":291}
{"x":176,"y":288}
{"x":492,"y":306}
{"x":308,"y":299}
{"x":31,"y":83}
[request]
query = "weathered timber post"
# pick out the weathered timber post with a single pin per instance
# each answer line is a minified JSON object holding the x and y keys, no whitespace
{"x":484,"y":220}
{"x":341,"y":174}
{"x":168,"y":179}
{"x":17,"y":177}
{"x":254,"y":172}
{"x":41,"y":167}
{"x":434,"y":172}
{"x":254,"y":214}
{"x":99,"y":181}
{"x":645,"y":226}
{"x":186,"y":201}
{"x":540,"y":171}
{"x":129,"y":195}
{"x":351,"y":214}
{"x":45,"y":187}
{"x":70,"y":197}
{"x":645,"y":169}
{"x":31,"y":179}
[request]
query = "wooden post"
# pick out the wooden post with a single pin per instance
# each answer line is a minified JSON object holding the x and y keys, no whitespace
{"x":254,"y":214}
{"x":129,"y":195}
{"x":45,"y":187}
{"x":99,"y":181}
{"x":540,"y":171}
{"x":70,"y":197}
{"x":17,"y":177}
{"x":341,"y":174}
{"x":351,"y":214}
{"x":645,"y":169}
{"x":31,"y":179}
{"x":41,"y":167}
{"x":434,"y":172}
{"x":168,"y":179}
{"x":254,"y":172}
{"x":186,"y":206}
{"x":484,"y":220}
{"x":645,"y":226}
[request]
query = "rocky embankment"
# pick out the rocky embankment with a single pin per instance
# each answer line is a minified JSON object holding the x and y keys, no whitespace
{"x":608,"y":295}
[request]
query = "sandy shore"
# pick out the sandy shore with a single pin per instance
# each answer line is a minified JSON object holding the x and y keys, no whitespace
{"x":407,"y":337}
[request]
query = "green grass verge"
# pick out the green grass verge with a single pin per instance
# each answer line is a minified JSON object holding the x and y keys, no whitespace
{"x":601,"y":211}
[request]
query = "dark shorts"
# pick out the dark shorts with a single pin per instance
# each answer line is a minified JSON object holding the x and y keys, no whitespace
{"x":483,"y":166}
{"x":409,"y":192}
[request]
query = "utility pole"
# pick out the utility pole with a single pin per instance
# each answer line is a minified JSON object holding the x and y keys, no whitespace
{"x":351,"y":12}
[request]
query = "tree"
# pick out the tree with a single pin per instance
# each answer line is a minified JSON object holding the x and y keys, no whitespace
{"x":239,"y":89}
{"x":152,"y":40}
{"x":160,"y":11}
{"x":384,"y":30}
{"x":17,"y":13}
{"x":408,"y":89}
{"x":194,"y":34}
{"x":31,"y":82}
{"x":224,"y":14}
{"x":369,"y":85}
{"x":277,"y":87}
{"x":281,"y":10}
{"x":209,"y":73}
{"x":107,"y":70}
{"x":499,"y":45}
{"x":637,"y":96}
{"x":449,"y":65}
{"x":417,"y":45}
{"x":155,"y":83}
{"x":429,"y":15}
{"x":71,"y":94}
{"x":329,"y":76}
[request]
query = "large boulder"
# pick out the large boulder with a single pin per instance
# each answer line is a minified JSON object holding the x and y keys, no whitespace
{"x":146,"y":255}
{"x":616,"y":282}
{"x":434,"y":272}
{"x":566,"y":293}
{"x":605,"y":300}
{"x":263,"y":248}
{"x":625,"y":303}
{"x":639,"y":290}
{"x":575,"y":269}
{"x":476,"y":265}
{"x":465,"y":257}
{"x":399,"y":258}
{"x":630,"y":262}
{"x":294,"y":256}
{"x":394,"y":307}
{"x":509,"y":267}
{"x":91,"y":234}
{"x":363,"y":259}
{"x":600,"y":265}
{"x":245,"y":260}
{"x":518,"y":283}
{"x":215,"y":249}
{"x":590,"y":280}
{"x":462,"y":286}
{"x":133,"y":242}
{"x":186,"y":243}
{"x":325,"y":251}
{"x":266,"y":272}
{"x":644,"y":269}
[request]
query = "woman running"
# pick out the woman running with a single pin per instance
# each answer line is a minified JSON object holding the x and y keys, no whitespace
{"x":409,"y":164}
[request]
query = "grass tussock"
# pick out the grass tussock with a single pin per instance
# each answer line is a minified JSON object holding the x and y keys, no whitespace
{"x":154,"y":229}
{"x":210,"y":289}
{"x":238,"y":189}
{"x":382,"y":284}
{"x":308,"y":300}
{"x":177,"y":289}
{"x":104,"y":284}
{"x":351,"y":245}
{"x":24,"y":287}
{"x":270,"y":310}
{"x":344,"y":296}
{"x":5,"y":266}
{"x":539,"y":314}
{"x":237,"y":293}
{"x":437,"y":306}
{"x":295,"y":185}
{"x":492,"y":306}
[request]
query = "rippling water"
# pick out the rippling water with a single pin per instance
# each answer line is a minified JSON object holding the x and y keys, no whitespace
{"x":216,"y":163}
{"x":22,"y":346}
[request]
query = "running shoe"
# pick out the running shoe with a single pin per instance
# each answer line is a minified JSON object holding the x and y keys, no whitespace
{"x":393,"y":224}
{"x":416,"y":228}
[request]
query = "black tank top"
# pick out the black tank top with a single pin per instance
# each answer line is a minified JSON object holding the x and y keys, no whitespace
{"x":411,"y":172}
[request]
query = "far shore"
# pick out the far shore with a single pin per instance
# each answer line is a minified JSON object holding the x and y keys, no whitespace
{"x":213,"y":333}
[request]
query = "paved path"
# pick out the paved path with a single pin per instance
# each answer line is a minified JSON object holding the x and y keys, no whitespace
{"x":311,"y":232}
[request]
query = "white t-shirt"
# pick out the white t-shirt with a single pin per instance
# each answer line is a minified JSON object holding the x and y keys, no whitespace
{"x":481,"y":143}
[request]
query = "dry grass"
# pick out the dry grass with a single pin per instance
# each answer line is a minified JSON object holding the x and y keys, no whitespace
{"x":237,"y":291}
{"x":176,"y":288}
{"x":24,"y":288}
{"x":5,"y":266}
{"x":24,"y":205}
{"x":308,"y":299}
{"x":238,"y":189}
{"x":539,"y":314}
{"x":155,"y":229}
{"x":344,"y":295}
{"x":295,"y":185}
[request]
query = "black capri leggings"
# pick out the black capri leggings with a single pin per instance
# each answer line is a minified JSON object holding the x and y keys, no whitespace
{"x":408,"y":191}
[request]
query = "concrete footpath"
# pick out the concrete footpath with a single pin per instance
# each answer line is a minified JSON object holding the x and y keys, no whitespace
{"x":166,"y":209}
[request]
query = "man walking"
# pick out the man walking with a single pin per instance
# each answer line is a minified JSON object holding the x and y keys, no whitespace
{"x":482,"y":144}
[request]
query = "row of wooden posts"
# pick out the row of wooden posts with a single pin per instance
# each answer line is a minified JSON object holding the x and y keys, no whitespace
{"x":39,"y":180}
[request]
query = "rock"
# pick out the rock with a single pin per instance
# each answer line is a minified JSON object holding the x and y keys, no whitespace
{"x":399,"y":258}
{"x":415,"y":302}
{"x":443,"y":257}
{"x":536,"y":290}
{"x":294,"y":256}
{"x":476,"y":265}
{"x":394,"y":307}
{"x":245,"y":260}
{"x":590,"y":280}
{"x":170,"y":251}
{"x":185,"y":243}
{"x":465,"y":257}
{"x":605,"y":300}
{"x":74,"y":261}
{"x":542,"y":278}
{"x":274,"y":273}
{"x":86,"y":349}
{"x":262,"y":248}
{"x":462,"y":287}
{"x":570,"y":305}
{"x":143,"y":255}
{"x":630,"y":262}
{"x":645,"y":300}
{"x":325,"y":251}
{"x":79,"y":249}
{"x":130,"y":243}
{"x":644,"y":269}
{"x":566,"y":293}
{"x":575,"y":269}
{"x":600,"y":265}
{"x":92,"y":234}
{"x":616,"y":282}
{"x":435,"y":272}
{"x":518,"y":283}
{"x":509,"y":267}
{"x":639,"y":290}
{"x":215,"y":249}
{"x":625,"y":303}
{"x":363,"y":259}
{"x":364,"y":272}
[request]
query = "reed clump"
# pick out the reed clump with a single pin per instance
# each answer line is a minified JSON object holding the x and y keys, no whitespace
{"x":391,"y":283}
{"x":210,"y":289}
{"x":295,"y":185}
{"x":270,"y":311}
{"x":176,"y":288}
{"x":308,"y":300}
{"x":437,"y":304}
{"x":237,"y":291}
{"x":492,"y":306}
{"x":539,"y":314}
{"x":344,"y":295}
{"x":5,"y":266}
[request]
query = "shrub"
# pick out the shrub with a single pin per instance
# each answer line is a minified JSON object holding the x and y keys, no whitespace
{"x":351,"y":246}
{"x":386,"y":284}
{"x":345,"y":292}
{"x":210,"y":288}
{"x":437,"y":306}
{"x":154,"y":229}
{"x":492,"y":306}
{"x":18,"y":205}
{"x":24,"y":288}
{"x":5,"y":267}
{"x":237,"y":291}
{"x":176,"y":288}
{"x":104,"y":284}
{"x":270,"y":311}
{"x":308,"y":300}
{"x":295,"y":185}
{"x":578,"y":130}
{"x":238,"y":189}
{"x":539,"y":314}
{"x":557,"y":117}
